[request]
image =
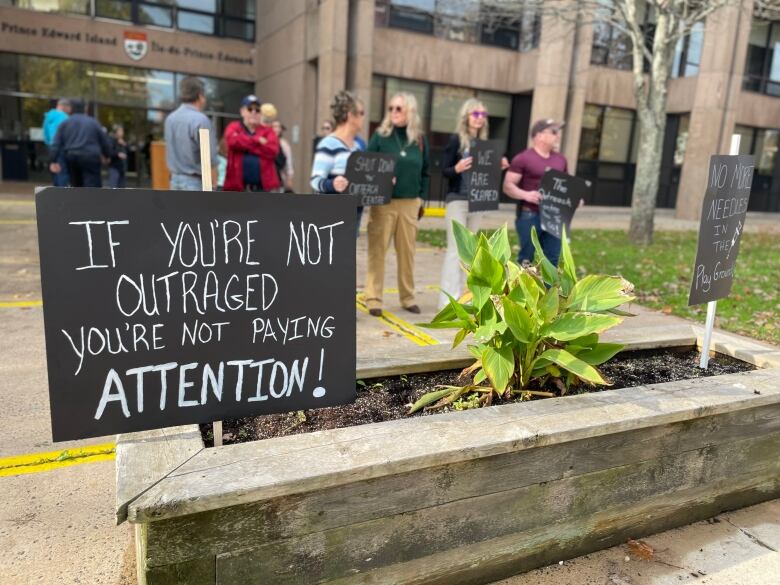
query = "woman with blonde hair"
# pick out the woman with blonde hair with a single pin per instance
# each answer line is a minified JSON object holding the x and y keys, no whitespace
{"x":399,"y":134}
{"x":471,"y":125}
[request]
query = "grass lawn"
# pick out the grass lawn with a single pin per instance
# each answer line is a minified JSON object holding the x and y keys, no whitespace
{"x":661,"y":274}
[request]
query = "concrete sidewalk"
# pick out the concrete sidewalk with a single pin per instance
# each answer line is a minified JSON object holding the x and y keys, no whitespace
{"x":57,"y":526}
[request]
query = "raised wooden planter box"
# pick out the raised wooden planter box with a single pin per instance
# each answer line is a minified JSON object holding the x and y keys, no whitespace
{"x":465,"y":497}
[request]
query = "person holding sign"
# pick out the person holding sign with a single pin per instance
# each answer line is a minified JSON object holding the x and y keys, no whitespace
{"x":522,"y":183}
{"x":399,"y":134}
{"x":332,"y":152}
{"x":471,"y":125}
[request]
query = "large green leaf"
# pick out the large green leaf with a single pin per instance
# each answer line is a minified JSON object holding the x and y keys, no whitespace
{"x":459,"y":337}
{"x":573,"y":325}
{"x":549,"y":272}
{"x":499,"y":366}
{"x":519,"y":321}
{"x":601,"y":353}
{"x":548,"y":306}
{"x":486,"y":277}
{"x":574,"y":365}
{"x":430,"y":398}
{"x":486,"y":332}
{"x":598,"y":293}
{"x":568,"y":269}
{"x":466,"y":242}
{"x":499,"y":245}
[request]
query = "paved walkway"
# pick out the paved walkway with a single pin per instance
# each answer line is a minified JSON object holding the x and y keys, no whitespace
{"x":57,"y":525}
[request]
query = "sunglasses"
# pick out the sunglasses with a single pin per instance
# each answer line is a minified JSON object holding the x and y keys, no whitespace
{"x":253,"y":110}
{"x":395,"y":109}
{"x":479,"y":114}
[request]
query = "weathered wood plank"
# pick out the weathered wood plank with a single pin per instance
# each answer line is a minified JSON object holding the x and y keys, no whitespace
{"x":503,"y":557}
{"x":217,"y":531}
{"x":337,"y":553}
{"x":143,"y":459}
{"x":762,"y":355}
{"x":248,"y":472}
{"x":201,"y":571}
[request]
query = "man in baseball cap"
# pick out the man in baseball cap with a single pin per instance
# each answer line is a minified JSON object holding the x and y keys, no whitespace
{"x":522,"y":183}
{"x":251,"y":100}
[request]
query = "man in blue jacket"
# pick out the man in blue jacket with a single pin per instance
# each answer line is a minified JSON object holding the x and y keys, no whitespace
{"x":84,"y":144}
{"x":51,"y":121}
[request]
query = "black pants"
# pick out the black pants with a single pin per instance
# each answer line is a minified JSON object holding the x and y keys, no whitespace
{"x":84,"y":170}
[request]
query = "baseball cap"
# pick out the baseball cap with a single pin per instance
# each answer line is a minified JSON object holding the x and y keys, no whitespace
{"x":544,"y":124}
{"x":250,"y":100}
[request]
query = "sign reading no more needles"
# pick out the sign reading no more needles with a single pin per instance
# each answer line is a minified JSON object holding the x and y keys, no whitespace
{"x":721,"y":227}
{"x":170,"y":308}
{"x":370,"y":176}
{"x":561,"y":194}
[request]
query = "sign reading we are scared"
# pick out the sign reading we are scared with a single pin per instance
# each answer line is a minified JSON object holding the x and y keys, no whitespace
{"x":722,"y":224}
{"x":168,"y":308}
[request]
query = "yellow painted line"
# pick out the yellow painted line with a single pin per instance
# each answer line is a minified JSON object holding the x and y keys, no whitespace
{"x":38,"y":462}
{"x":411,"y":332}
{"x":16,"y":202}
{"x":434,"y":212}
{"x":20,"y":304}
{"x":394,"y":291}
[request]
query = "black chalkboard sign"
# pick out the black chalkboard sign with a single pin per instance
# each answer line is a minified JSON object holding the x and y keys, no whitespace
{"x":483,"y":180}
{"x":167,"y":308}
{"x":370,"y":176}
{"x":722,"y":223}
{"x":561,"y":194}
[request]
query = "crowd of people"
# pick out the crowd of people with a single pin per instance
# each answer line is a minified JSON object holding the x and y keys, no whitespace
{"x":253,"y":155}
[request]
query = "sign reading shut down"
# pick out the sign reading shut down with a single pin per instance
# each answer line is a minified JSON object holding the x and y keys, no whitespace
{"x":722,"y":224}
{"x":167,"y":308}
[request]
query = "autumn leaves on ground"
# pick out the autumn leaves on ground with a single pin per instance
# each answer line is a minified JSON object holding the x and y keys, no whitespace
{"x":661,"y":274}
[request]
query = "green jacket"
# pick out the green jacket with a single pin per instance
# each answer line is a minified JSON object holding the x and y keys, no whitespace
{"x":412,"y":176}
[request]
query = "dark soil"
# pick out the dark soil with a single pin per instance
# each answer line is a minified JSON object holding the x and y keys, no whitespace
{"x":384,"y":399}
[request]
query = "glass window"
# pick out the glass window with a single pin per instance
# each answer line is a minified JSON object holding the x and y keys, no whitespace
{"x":457,"y":20}
{"x":760,"y":67}
{"x":133,"y":87}
{"x":195,"y":22}
{"x":239,"y":8}
{"x":447,"y":101}
{"x":591,"y":132}
{"x":378,"y":101}
{"x":54,"y":77}
{"x":71,"y":6}
{"x":746,"y":135}
{"x":616,"y":135}
{"x":766,"y":151}
{"x":222,"y":95}
{"x":416,"y":15}
{"x":200,"y":5}
{"x":681,"y":142}
{"x":157,"y":15}
{"x":117,"y":9}
{"x":687,"y":53}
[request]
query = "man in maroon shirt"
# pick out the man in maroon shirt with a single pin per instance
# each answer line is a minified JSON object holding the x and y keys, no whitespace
{"x":522,"y":183}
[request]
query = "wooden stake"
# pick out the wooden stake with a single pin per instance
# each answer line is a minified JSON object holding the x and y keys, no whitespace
{"x":712,"y":306}
{"x":205,"y":175}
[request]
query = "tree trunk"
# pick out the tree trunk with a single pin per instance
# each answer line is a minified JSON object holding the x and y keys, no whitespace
{"x":652,"y":124}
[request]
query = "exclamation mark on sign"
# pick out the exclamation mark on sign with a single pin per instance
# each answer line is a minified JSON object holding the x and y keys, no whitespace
{"x":319,"y":391}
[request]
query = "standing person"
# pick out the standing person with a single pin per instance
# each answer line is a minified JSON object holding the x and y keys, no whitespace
{"x":332,"y":152}
{"x":51,"y":121}
{"x":252,"y":148}
{"x":182,"y":139}
{"x":399,"y":134}
{"x":286,"y":170}
{"x":81,"y":141}
{"x":522,"y":183}
{"x":471,"y":125}
{"x":117,"y":168}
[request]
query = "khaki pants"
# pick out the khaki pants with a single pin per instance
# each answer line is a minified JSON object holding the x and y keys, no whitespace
{"x":397,"y":221}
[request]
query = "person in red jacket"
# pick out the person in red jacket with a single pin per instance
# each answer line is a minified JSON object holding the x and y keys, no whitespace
{"x":252,"y":148}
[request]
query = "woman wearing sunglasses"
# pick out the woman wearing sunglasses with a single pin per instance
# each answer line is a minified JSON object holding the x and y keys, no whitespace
{"x":399,"y":134}
{"x":471,"y":125}
{"x":332,"y":152}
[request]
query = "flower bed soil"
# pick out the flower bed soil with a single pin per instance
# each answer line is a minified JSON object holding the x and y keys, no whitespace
{"x":384,"y":399}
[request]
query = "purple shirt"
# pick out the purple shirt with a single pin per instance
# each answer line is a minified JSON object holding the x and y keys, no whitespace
{"x":532,"y":166}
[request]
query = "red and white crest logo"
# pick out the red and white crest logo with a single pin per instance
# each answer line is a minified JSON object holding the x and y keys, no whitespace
{"x":136,"y":45}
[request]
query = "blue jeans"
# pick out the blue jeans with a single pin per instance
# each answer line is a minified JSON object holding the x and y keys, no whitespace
{"x":186,"y":183}
{"x":551,"y":246}
{"x":61,"y":179}
{"x":84,"y":170}
{"x":116,"y":178}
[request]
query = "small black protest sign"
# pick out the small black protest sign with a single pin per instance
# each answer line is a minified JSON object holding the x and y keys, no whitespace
{"x":721,"y":227}
{"x":370,"y":176}
{"x":483,"y":180}
{"x":170,"y":308}
{"x":561,"y":194}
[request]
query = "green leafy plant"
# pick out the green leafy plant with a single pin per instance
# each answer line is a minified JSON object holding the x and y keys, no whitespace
{"x":529,"y":325}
